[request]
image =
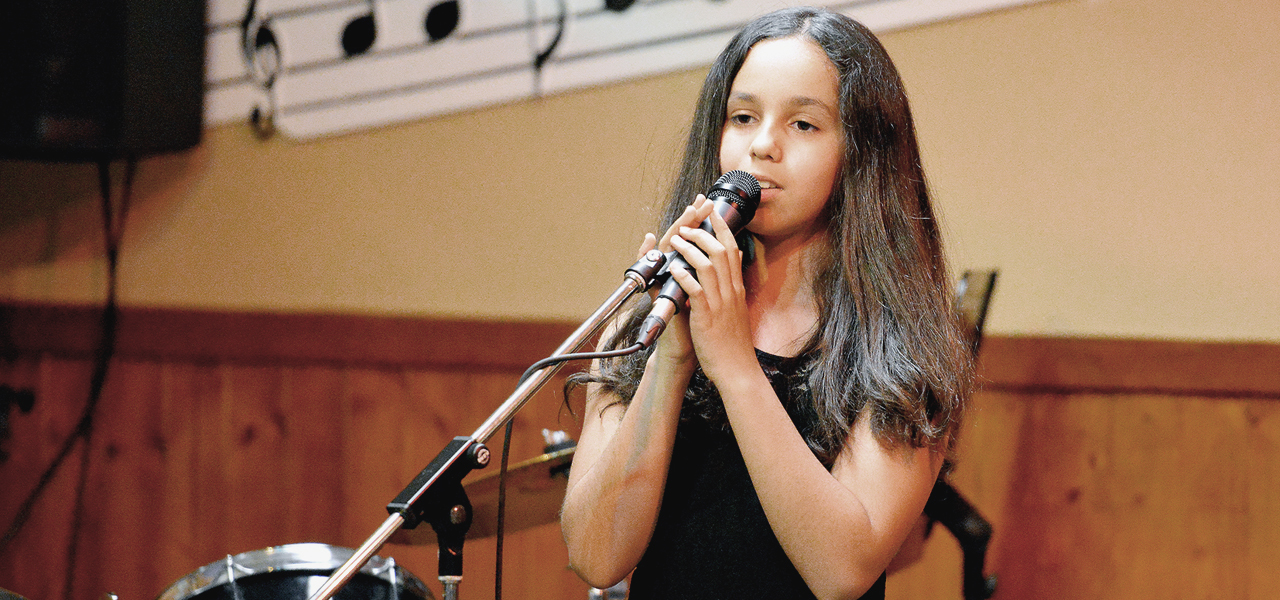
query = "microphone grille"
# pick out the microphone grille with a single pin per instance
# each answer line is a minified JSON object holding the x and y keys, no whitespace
{"x":738,"y":187}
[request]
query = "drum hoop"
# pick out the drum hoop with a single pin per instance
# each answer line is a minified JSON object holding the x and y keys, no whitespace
{"x":310,"y":556}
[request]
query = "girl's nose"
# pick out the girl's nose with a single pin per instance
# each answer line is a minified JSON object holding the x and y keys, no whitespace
{"x":765,"y":145}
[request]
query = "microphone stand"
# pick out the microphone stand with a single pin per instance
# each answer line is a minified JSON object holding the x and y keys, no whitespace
{"x":436,"y":494}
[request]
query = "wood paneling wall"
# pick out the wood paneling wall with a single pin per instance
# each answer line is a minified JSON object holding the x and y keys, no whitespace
{"x":1119,"y":469}
{"x":224,"y":433}
{"x":1109,"y":468}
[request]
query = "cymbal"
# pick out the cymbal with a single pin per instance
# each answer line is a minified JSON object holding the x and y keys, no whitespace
{"x":535,"y":491}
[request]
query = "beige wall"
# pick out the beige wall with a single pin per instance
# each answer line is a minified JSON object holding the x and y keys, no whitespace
{"x":1115,"y":159}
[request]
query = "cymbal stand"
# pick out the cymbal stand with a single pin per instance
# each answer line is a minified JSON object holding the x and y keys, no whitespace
{"x":436,"y":494}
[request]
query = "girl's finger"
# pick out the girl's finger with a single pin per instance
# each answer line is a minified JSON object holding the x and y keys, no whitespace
{"x":732,"y":254}
{"x":701,"y":208}
{"x":718,"y":273}
{"x":723,"y":233}
{"x":691,"y":252}
{"x":708,"y":279}
{"x":690,"y":284}
{"x":650,"y":242}
{"x":692,"y":216}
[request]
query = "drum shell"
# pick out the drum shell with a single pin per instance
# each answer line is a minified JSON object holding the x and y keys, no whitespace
{"x":295,"y":572}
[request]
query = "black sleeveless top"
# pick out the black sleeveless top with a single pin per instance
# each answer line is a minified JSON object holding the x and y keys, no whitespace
{"x":712,"y":540}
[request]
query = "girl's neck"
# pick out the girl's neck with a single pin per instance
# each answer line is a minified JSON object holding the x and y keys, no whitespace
{"x":784,"y":310}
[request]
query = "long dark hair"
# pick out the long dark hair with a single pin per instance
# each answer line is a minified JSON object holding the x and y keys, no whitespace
{"x":886,"y":334}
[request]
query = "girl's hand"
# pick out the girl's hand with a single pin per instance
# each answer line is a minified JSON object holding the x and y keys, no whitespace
{"x":675,"y":344}
{"x":718,"y":318}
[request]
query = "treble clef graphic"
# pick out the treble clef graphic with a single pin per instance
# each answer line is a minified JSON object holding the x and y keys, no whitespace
{"x":261,"y":53}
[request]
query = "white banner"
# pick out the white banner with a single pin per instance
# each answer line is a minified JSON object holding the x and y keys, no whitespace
{"x":321,"y":67}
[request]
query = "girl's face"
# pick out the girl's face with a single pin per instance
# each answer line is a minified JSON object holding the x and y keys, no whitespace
{"x":783,"y":126}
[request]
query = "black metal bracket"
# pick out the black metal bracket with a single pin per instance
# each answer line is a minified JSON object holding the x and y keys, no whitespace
{"x":436,"y":495}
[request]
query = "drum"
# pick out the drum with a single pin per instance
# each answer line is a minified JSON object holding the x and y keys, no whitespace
{"x":295,"y":572}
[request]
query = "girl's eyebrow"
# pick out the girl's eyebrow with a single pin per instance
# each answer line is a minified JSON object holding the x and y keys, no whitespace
{"x":807,"y":101}
{"x":794,"y":101}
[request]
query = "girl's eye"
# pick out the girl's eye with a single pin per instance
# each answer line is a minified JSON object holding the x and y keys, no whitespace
{"x":740,"y":119}
{"x":805,"y":126}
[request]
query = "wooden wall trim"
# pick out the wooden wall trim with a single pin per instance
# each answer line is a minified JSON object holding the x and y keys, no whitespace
{"x":1131,"y":366}
{"x":1032,"y":364}
{"x":275,"y":338}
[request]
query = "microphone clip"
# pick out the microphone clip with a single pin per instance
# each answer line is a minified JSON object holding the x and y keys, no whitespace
{"x":651,"y":269}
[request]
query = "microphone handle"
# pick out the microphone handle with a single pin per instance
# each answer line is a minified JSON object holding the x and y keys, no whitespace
{"x":654,"y":324}
{"x":672,"y":298}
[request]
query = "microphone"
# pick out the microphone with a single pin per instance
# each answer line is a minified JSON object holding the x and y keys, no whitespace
{"x":734,"y":196}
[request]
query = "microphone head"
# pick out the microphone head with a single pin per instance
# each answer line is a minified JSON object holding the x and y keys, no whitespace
{"x":739,"y":188}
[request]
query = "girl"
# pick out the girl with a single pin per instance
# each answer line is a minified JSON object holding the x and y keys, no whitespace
{"x":782,"y":436}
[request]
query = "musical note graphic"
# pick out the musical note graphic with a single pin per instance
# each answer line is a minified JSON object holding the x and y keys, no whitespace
{"x":441,"y":20}
{"x":542,"y":52}
{"x":360,"y":33}
{"x":322,"y":67}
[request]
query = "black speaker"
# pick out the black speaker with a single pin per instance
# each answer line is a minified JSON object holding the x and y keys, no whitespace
{"x":100,"y":79}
